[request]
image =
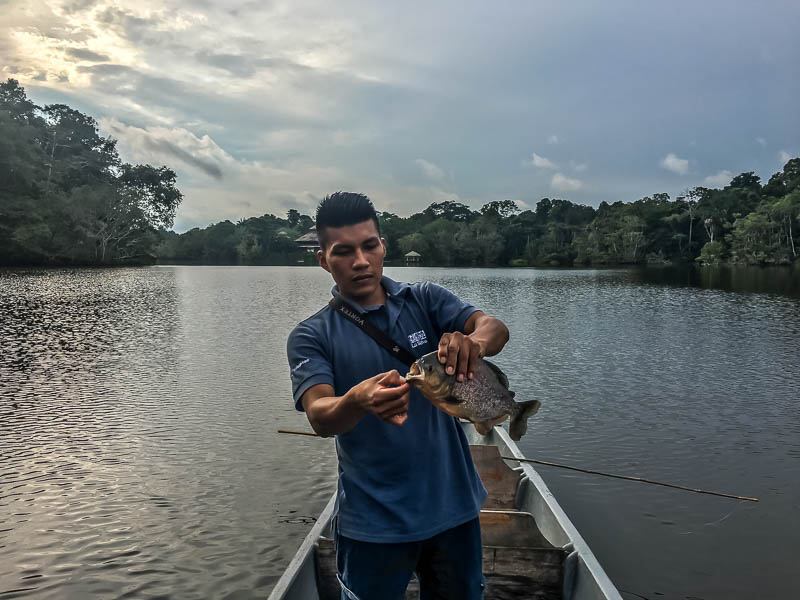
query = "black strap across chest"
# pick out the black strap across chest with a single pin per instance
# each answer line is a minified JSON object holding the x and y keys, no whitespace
{"x":377,"y":334}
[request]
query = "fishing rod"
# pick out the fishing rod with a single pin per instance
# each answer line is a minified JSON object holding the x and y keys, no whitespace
{"x":588,"y":471}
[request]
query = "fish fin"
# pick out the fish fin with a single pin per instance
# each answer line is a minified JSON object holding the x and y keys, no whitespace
{"x":497,"y":371}
{"x":519,"y":422}
{"x":484,"y":427}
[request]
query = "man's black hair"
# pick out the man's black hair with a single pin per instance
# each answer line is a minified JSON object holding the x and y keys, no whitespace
{"x":344,"y":208}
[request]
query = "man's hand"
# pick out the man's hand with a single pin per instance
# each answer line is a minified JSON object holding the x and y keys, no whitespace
{"x":460,"y":353}
{"x":385,"y":395}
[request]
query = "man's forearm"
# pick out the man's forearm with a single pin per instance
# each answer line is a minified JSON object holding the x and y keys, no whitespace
{"x":491,"y":334}
{"x":332,"y":415}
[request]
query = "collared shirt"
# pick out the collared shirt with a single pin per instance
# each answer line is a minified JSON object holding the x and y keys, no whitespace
{"x":396,"y":484}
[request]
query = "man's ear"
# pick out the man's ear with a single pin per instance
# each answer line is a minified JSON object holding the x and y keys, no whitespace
{"x":323,"y":262}
{"x":385,"y":249}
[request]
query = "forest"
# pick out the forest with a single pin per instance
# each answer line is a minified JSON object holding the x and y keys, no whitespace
{"x":66,"y":198}
{"x":745,"y":222}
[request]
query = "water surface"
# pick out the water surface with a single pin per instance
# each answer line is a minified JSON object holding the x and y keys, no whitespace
{"x":139,"y":407}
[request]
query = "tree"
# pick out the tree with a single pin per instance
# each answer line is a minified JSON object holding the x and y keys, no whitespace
{"x":65,"y":195}
{"x":712,"y":253}
{"x":746,"y":181}
{"x":108,"y":219}
{"x":750,"y":239}
{"x":501,"y":208}
{"x":450,"y":210}
{"x":153,"y":190}
{"x":786,"y":211}
{"x":293,"y":216}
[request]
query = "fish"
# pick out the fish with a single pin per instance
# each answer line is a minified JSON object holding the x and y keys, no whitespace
{"x":485,"y":399}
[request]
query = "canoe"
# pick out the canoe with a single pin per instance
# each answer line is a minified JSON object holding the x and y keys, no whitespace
{"x":530,"y":547}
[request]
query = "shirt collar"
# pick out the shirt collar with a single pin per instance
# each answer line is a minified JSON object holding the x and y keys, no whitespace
{"x":395,"y":297}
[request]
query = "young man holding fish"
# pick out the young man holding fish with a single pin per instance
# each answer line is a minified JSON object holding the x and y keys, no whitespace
{"x":408,"y":493}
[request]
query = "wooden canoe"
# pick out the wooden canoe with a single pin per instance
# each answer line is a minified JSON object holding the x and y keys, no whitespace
{"x":530,"y":547}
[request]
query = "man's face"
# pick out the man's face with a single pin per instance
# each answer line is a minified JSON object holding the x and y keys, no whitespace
{"x":354,"y":255}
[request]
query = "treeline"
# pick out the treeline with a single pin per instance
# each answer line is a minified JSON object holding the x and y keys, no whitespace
{"x":65,"y":195}
{"x":745,"y":222}
{"x":265,"y":240}
{"x":67,"y":198}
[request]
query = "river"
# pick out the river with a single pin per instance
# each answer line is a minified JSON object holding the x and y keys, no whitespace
{"x":139,"y":456}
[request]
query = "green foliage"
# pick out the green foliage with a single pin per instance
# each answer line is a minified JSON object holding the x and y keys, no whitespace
{"x":712,"y":253}
{"x":65,"y":196}
{"x":740,"y":223}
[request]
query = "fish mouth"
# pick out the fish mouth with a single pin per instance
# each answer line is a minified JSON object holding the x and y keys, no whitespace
{"x":414,"y":373}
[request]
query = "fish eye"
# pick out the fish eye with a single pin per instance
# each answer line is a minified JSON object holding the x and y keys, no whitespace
{"x":430,"y":368}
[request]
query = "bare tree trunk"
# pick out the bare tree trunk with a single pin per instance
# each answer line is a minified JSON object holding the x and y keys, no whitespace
{"x":791,"y":237}
{"x":50,"y":166}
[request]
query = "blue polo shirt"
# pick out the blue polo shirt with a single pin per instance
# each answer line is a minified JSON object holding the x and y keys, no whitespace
{"x":396,"y":484}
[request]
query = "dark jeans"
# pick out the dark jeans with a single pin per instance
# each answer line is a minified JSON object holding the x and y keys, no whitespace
{"x":448,"y":566}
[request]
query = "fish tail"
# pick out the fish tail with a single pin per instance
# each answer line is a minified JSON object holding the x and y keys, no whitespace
{"x":519,"y":422}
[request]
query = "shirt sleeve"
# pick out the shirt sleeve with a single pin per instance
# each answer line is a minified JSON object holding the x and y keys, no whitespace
{"x":309,"y":364}
{"x":448,"y":312}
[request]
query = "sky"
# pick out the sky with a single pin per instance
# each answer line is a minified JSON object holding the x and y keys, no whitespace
{"x":264,"y":106}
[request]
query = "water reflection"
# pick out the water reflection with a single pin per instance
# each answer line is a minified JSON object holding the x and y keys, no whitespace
{"x":139,"y":409}
{"x":773,"y":280}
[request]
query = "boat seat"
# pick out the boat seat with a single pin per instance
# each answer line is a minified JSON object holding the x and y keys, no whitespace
{"x":511,"y":529}
{"x":500,"y":480}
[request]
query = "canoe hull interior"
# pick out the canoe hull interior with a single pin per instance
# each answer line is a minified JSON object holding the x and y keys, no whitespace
{"x":531,"y":549}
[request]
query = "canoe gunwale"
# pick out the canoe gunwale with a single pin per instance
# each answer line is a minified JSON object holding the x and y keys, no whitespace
{"x":499,"y":437}
{"x":304,"y":554}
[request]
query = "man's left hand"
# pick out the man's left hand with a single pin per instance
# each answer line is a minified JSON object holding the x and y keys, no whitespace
{"x":459,"y":353}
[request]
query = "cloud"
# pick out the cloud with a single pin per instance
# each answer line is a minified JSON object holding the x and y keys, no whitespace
{"x":784,"y":157}
{"x":562,"y":183}
{"x":309,"y":97}
{"x":540,"y":162}
{"x":719,"y":180}
{"x":429,"y":169}
{"x":761,"y":142}
{"x":579,"y":167}
{"x":154,"y":144}
{"x":86,"y":54}
{"x":523,"y":205}
{"x":677,"y":165}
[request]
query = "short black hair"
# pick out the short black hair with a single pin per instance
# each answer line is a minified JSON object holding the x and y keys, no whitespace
{"x":344,"y":208}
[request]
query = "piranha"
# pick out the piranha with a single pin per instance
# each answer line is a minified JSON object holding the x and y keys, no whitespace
{"x":485,"y":399}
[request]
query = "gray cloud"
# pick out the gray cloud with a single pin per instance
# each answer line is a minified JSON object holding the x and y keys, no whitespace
{"x":210,"y":168}
{"x":127,"y":24}
{"x":84,"y":54}
{"x":162,"y":143}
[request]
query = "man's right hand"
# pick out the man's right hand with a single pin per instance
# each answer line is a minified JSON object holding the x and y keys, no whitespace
{"x":385,"y":395}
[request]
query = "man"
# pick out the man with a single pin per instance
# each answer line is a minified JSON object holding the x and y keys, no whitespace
{"x":408,"y":493}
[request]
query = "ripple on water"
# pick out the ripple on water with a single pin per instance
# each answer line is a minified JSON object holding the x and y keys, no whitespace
{"x":138,"y":414}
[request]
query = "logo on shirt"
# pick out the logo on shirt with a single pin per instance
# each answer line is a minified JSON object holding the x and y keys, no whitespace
{"x":352,"y":314}
{"x":300,"y":364}
{"x":417,"y":338}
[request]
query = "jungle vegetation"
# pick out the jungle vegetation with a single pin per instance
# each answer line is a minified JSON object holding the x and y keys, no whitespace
{"x":66,"y":197}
